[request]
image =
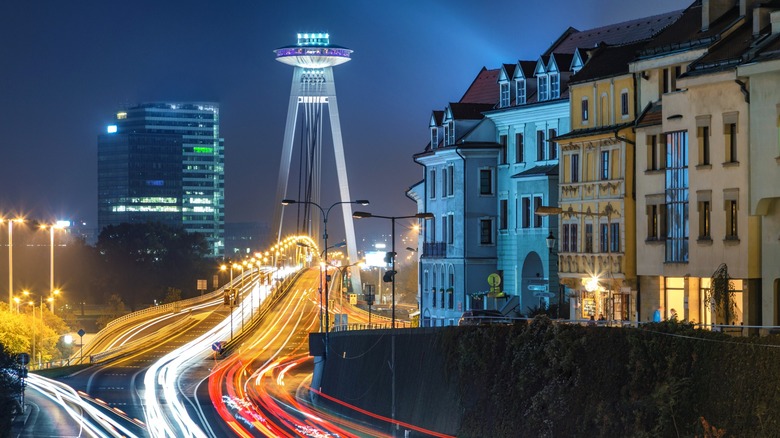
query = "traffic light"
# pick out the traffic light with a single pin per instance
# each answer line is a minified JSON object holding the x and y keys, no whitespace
{"x":389,"y":257}
{"x":227,"y":297}
{"x":388,"y":277}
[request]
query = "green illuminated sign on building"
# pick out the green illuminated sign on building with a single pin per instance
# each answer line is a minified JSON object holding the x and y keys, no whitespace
{"x":202,"y":150}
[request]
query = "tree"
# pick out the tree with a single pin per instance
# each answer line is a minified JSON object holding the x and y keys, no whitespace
{"x":721,"y":296}
{"x":116,"y":308}
{"x":139,"y":262}
{"x":10,"y":388}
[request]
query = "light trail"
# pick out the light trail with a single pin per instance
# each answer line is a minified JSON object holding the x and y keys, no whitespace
{"x":92,"y":420}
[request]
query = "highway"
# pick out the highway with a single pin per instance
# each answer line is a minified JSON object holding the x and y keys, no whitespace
{"x":160,"y":376}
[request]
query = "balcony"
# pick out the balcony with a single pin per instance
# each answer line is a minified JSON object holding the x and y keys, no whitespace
{"x":434,"y":249}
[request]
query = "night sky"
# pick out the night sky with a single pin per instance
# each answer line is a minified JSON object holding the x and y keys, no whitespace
{"x":67,"y":66}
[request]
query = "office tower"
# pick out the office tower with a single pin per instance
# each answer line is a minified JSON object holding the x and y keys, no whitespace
{"x":164,"y":162}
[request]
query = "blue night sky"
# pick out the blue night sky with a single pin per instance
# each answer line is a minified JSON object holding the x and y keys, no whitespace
{"x":67,"y":66}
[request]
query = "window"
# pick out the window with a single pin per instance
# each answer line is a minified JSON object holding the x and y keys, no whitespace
{"x":614,"y":237}
{"x":520,"y":83}
{"x":703,"y":133}
{"x":652,"y":152}
{"x":603,"y":238}
{"x":656,"y":221}
{"x":526,"y":212}
{"x":565,"y":238}
{"x":502,"y":214}
{"x":502,"y":152}
{"x":705,"y":210}
{"x":537,"y":218}
{"x":444,"y":178}
{"x":451,"y":228}
{"x":555,"y":86}
{"x":504,"y":99}
{"x":573,"y":237}
{"x":731,"y":219}
{"x":676,"y":193}
{"x":731,"y":142}
{"x":574,"y":170}
{"x":450,"y":181}
{"x":540,"y":145}
{"x":584,"y":110}
{"x":541,"y":86}
{"x":486,"y":231}
{"x":624,"y":103}
{"x":432,"y":183}
{"x":589,"y":238}
{"x":519,"y":152}
{"x":552,"y":146}
{"x":434,"y":137}
{"x":444,"y":237}
{"x":485,"y":182}
{"x":449,"y":133}
{"x":604,"y":165}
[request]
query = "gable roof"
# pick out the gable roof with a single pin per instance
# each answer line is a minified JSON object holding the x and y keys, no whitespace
{"x":484,"y":88}
{"x":607,"y":61}
{"x":652,"y":115}
{"x":618,"y":33}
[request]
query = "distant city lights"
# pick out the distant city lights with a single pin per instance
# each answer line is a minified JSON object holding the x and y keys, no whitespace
{"x":111,"y":129}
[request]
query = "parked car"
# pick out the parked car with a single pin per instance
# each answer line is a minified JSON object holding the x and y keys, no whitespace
{"x":483,"y":317}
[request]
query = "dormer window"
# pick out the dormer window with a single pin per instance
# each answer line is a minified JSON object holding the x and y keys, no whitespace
{"x":555,"y":86}
{"x":434,"y":137}
{"x":520,"y":84}
{"x":449,"y":133}
{"x":541,"y":85}
{"x":504,"y":100}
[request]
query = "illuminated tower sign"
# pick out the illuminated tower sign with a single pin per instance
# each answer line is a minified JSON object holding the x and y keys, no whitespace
{"x":313,"y":90}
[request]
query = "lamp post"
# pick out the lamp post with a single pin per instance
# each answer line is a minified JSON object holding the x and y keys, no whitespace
{"x":11,"y":257}
{"x":325,"y":214}
{"x":230,"y":297}
{"x":426,"y":216}
{"x":51,"y":228}
{"x":544,"y":210}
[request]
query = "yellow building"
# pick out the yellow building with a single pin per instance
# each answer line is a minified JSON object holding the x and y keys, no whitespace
{"x":596,"y":238}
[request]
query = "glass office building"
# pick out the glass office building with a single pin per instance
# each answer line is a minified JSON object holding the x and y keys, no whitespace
{"x":164,"y":162}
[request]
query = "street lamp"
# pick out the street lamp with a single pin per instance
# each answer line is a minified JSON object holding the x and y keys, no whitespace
{"x":230,"y":296}
{"x":11,"y":256}
{"x":544,"y":210}
{"x":59,"y":225}
{"x":392,"y":272}
{"x":325,"y":214}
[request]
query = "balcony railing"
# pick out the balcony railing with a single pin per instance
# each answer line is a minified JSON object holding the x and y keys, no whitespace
{"x":434,"y":249}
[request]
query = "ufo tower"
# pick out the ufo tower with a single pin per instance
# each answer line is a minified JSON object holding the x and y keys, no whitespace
{"x":312,"y":91}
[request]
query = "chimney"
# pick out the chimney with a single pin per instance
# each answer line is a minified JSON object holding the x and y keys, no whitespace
{"x":774,"y":18}
{"x":711,"y":10}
